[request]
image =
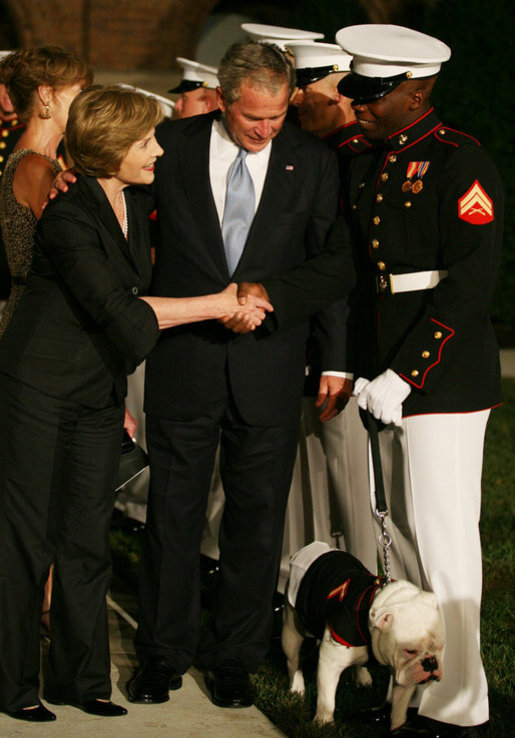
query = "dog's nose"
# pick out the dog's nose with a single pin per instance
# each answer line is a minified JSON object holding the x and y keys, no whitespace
{"x":430,"y":664}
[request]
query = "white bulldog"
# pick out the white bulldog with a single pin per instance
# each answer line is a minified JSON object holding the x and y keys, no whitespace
{"x":332,"y":596}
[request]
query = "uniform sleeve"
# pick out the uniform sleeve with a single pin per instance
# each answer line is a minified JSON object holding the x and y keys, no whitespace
{"x":328,"y":273}
{"x":470,"y":218}
{"x":73,"y":246}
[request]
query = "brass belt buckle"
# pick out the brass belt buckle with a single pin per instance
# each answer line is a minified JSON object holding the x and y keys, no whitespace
{"x":381,"y":283}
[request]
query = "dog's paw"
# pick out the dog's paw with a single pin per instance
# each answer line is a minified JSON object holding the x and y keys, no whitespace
{"x":297,"y":684}
{"x":362,"y":677}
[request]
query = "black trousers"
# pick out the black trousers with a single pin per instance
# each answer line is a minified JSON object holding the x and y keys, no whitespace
{"x":256,"y":467}
{"x":58,"y":463}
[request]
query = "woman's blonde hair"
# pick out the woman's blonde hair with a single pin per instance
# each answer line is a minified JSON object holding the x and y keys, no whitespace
{"x":103,"y":123}
{"x":24,"y":70}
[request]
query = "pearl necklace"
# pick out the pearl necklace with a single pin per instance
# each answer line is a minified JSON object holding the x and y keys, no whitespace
{"x":125,"y":223}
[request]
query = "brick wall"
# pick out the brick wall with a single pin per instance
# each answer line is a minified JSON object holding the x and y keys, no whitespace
{"x":116,"y":34}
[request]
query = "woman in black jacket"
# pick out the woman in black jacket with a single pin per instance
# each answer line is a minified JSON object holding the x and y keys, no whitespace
{"x":81,"y":326}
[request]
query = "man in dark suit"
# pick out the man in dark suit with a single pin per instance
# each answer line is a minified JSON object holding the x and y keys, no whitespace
{"x":205,"y":383}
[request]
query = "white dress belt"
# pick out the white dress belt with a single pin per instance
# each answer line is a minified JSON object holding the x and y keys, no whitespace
{"x":411,"y":282}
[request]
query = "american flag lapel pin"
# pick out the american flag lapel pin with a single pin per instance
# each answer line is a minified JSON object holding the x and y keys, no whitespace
{"x":290,"y":167}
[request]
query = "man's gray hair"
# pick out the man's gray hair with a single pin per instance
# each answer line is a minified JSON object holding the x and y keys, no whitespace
{"x":264,"y":65}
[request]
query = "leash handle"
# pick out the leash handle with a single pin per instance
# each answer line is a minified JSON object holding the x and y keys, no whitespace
{"x":374,"y":426}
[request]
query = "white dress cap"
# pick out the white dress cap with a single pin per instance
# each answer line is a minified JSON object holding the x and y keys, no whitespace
{"x":319,"y":56}
{"x":196,"y":75}
{"x":277,"y":34}
{"x":387,"y":51}
{"x":167,"y":106}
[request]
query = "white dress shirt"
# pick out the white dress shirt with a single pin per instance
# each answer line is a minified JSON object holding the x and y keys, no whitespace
{"x":222,"y":153}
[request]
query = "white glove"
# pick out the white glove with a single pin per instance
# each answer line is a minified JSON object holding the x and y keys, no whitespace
{"x":383,"y":396}
{"x":359,"y":386}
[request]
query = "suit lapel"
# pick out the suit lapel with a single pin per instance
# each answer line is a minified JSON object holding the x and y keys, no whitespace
{"x":194,"y":165}
{"x":106,"y":217}
{"x":139,"y":237}
{"x":277,"y":191}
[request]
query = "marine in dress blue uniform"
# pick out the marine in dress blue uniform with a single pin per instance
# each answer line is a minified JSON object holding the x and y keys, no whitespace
{"x":424,"y":210}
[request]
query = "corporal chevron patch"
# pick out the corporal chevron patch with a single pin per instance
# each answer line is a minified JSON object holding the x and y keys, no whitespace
{"x":475,"y":206}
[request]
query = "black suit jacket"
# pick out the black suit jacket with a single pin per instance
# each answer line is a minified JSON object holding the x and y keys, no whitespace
{"x":80,"y":327}
{"x":187,"y":371}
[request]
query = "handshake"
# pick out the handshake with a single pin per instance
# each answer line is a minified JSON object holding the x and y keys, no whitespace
{"x":245,"y":306}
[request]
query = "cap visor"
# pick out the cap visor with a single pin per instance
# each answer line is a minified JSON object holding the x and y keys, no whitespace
{"x":366,"y":89}
{"x":186,"y":85}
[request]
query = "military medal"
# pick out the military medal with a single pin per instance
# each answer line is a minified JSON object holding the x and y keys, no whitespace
{"x":415,"y":169}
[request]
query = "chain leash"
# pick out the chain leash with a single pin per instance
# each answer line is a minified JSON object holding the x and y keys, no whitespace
{"x":385,"y":541}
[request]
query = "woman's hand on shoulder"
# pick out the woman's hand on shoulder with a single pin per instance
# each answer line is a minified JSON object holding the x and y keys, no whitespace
{"x":60,"y":183}
{"x":32,"y":182}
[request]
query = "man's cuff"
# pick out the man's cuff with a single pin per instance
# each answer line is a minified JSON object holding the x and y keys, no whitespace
{"x":345,"y":375}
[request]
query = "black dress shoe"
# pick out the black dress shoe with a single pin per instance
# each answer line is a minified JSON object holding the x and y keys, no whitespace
{"x":373,"y":715}
{"x":230,"y":686}
{"x":379,"y":715}
{"x":37,"y":714}
{"x":152,"y":682}
{"x":104,"y":709}
{"x":423,"y":727}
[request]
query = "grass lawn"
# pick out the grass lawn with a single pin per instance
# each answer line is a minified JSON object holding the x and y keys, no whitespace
{"x":294,"y":715}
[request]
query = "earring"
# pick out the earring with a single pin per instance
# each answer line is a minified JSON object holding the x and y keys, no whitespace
{"x":45,"y":112}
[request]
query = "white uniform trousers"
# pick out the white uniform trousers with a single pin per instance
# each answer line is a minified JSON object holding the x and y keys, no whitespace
{"x":432,"y":472}
{"x":329,"y":495}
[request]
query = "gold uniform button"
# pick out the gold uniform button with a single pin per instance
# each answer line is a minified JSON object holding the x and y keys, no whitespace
{"x":392,"y":158}
{"x":14,"y":122}
{"x":381,"y":266}
{"x":425,"y":354}
{"x":415,"y":373}
{"x":375,"y":243}
{"x":376,"y":220}
{"x":438,"y":334}
{"x":354,"y":207}
{"x":402,"y":139}
{"x":379,"y":198}
{"x":442,"y":131}
{"x":355,"y":141}
{"x":407,"y":204}
{"x":1,"y":158}
{"x":5,"y":133}
{"x":384,"y":176}
{"x":2,"y":144}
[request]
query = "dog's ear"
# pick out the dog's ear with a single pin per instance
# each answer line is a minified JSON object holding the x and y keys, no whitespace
{"x":382,"y":622}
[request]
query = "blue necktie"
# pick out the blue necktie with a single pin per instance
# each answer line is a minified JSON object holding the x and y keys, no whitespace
{"x":238,"y":210}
